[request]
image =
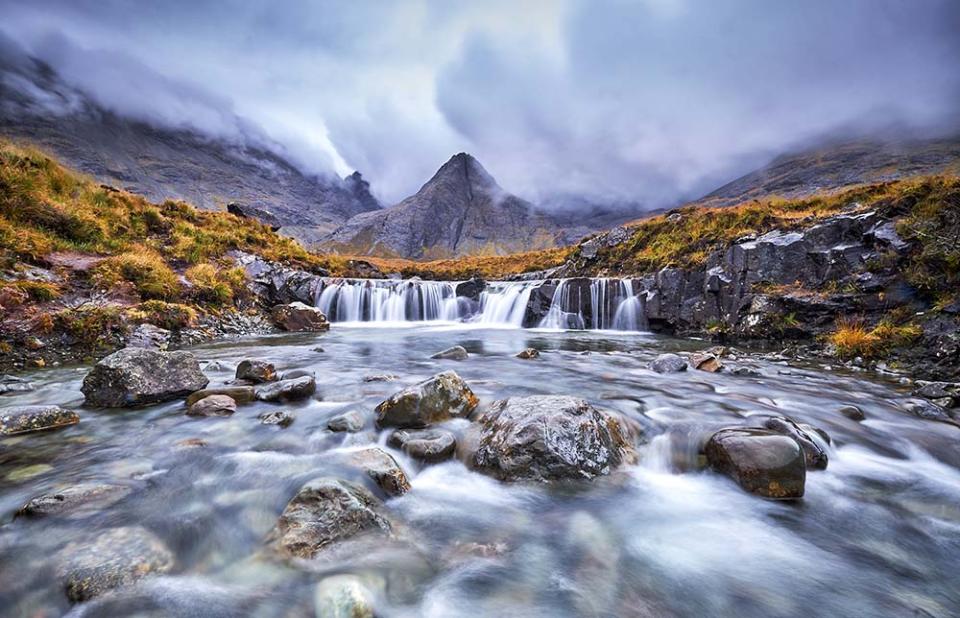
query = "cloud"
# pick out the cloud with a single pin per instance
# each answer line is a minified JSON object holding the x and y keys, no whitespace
{"x":649,"y":101}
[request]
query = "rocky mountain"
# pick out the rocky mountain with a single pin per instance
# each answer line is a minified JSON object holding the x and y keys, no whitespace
{"x":160,"y":163}
{"x":460,"y":211}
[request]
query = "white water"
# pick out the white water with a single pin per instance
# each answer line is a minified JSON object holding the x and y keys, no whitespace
{"x":609,"y":304}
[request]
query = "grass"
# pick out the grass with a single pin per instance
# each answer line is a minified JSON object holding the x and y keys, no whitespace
{"x":37,"y":291}
{"x":853,"y":338}
{"x":488,"y":267}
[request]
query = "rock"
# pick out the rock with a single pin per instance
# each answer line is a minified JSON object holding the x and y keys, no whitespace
{"x":351,"y":421}
{"x":149,"y":336}
{"x":946,"y":392}
{"x":318,"y":349}
{"x":27,"y":419}
{"x":256,"y":371}
{"x":813,"y":444}
{"x":380,"y":466}
{"x":668,"y":363}
{"x":760,"y":461}
{"x":240,"y":394}
{"x":749,"y":372}
{"x":287,"y":390}
{"x":283,"y":418}
{"x":298,"y":373}
{"x":457,"y":352}
{"x":326,"y":511}
{"x":429,"y":445}
{"x":706,"y":362}
{"x":117,"y":557}
{"x":926,"y":410}
{"x":141,"y":376}
{"x":385,"y":377}
{"x":343,"y":596}
{"x":529,"y":353}
{"x":74,"y":501}
{"x":298,"y":316}
{"x":439,"y":398}
{"x":471,"y":289}
{"x":13,"y":384}
{"x":546,"y":438}
{"x":213,"y":405}
{"x":25,"y":473}
{"x":852,"y":412}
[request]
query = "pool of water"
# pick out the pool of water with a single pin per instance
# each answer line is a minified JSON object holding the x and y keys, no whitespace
{"x":877,"y":533}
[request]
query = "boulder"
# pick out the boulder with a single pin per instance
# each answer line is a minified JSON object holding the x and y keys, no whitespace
{"x":256,"y":371}
{"x":74,"y":501}
{"x":287,"y":390}
{"x":27,"y":419}
{"x":380,"y":466}
{"x":668,"y":363}
{"x":457,"y":352}
{"x":117,"y":557}
{"x":298,"y":316}
{"x":813,"y":444}
{"x":141,"y":376}
{"x":547,"y":438}
{"x":442,"y":397}
{"x":283,"y":418}
{"x":429,"y":445}
{"x":213,"y":405}
{"x":240,"y":394}
{"x":762,"y":462}
{"x":706,"y":362}
{"x":326,"y":511}
{"x":351,"y":421}
{"x":529,"y":353}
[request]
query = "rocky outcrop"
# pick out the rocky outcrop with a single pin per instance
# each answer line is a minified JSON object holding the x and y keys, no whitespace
{"x":442,"y":397}
{"x":28,"y":419}
{"x":548,"y":438}
{"x":762,"y":462}
{"x":140,"y":376}
{"x":299,"y":317}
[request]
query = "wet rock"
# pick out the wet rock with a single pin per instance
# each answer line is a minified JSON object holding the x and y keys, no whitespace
{"x":760,"y":461}
{"x":256,"y":371}
{"x":141,"y":376}
{"x":74,"y":501}
{"x":471,"y":289}
{"x":117,"y":557}
{"x":13,"y":384}
{"x":213,"y":405}
{"x":380,"y":466}
{"x":706,"y":362}
{"x":926,"y":410}
{"x":27,"y":419}
{"x":343,"y":596}
{"x":287,"y":390}
{"x":283,"y":418}
{"x":668,"y":363}
{"x":746,"y":372}
{"x":852,"y":412}
{"x":240,"y":394}
{"x":439,"y":398}
{"x":326,"y":511}
{"x":457,"y":352}
{"x":429,"y":445}
{"x":529,"y":353}
{"x":351,"y":422}
{"x":945,"y":394}
{"x":546,"y":438}
{"x":149,"y":336}
{"x":298,"y":317}
{"x":298,"y":373}
{"x":813,"y":444}
{"x":384,"y":377}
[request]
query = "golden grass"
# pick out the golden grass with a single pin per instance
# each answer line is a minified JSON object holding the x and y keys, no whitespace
{"x":37,"y":291}
{"x":488,"y":267}
{"x":853,"y":338}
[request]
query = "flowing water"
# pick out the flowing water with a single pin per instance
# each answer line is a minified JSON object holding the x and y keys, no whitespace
{"x":877,"y":534}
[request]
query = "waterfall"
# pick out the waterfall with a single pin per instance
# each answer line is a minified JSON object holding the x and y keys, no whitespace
{"x":575,"y":304}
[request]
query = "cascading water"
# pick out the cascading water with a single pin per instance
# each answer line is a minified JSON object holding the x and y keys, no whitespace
{"x":575,"y":303}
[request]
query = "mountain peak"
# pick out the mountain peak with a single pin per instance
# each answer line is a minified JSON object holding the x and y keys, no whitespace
{"x":463,"y":168}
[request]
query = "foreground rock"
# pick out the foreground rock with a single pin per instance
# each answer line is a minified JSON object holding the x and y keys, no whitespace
{"x":457,"y":352}
{"x":287,"y":390}
{"x":430,"y":445}
{"x":668,"y":363}
{"x":213,"y":405}
{"x":442,"y":397}
{"x":382,"y":468}
{"x":326,"y":511}
{"x":141,"y":376}
{"x":547,"y":438}
{"x":118,"y":557}
{"x":350,"y":422}
{"x":75,"y":501}
{"x":813,"y":443}
{"x":760,"y":461}
{"x":299,"y":317}
{"x":240,"y":394}
{"x":256,"y":371}
{"x":27,"y":419}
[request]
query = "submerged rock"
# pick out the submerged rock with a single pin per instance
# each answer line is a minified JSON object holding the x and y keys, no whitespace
{"x":351,"y":422}
{"x":287,"y":390}
{"x":326,"y":511}
{"x":546,"y":438}
{"x":256,"y":371}
{"x":760,"y":461}
{"x":429,"y":445}
{"x":343,"y":596}
{"x":74,"y":501}
{"x":298,"y":316}
{"x":213,"y":405}
{"x":240,"y":394}
{"x":141,"y":376}
{"x":27,"y":419}
{"x":668,"y":363}
{"x":439,"y":398}
{"x":852,"y":412}
{"x":457,"y":352}
{"x":283,"y":418}
{"x":13,"y":384}
{"x":529,"y":353}
{"x":117,"y":557}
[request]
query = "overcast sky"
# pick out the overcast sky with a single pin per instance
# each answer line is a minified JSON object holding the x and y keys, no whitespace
{"x":650,"y":100}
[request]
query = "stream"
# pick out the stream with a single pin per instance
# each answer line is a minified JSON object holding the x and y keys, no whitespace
{"x":877,"y":533}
